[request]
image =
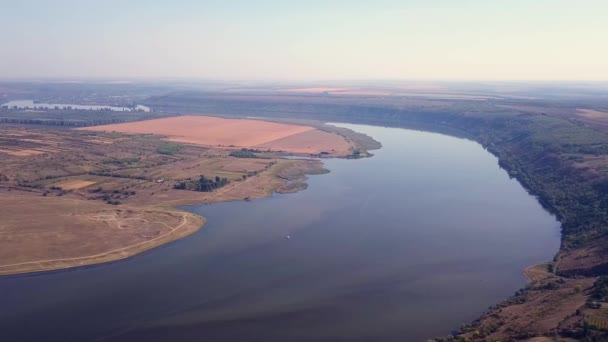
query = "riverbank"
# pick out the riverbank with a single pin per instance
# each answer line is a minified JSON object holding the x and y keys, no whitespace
{"x":89,"y":245}
{"x":82,"y":198}
{"x":537,"y":272}
{"x":157,"y":224}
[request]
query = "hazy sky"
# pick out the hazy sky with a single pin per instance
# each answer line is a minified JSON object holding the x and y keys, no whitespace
{"x":306,"y":39}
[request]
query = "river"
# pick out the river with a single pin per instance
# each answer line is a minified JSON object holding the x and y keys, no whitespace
{"x":30,"y":104}
{"x":403,"y":246}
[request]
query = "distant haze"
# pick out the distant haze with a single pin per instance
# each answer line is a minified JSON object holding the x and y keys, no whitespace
{"x":306,"y":40}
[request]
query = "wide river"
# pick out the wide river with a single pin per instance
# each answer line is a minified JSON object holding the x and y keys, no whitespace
{"x":403,"y":246}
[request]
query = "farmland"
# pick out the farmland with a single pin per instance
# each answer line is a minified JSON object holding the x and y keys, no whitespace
{"x":237,"y":133}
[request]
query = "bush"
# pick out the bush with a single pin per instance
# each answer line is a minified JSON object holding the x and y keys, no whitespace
{"x":169,"y":148}
{"x":600,"y":289}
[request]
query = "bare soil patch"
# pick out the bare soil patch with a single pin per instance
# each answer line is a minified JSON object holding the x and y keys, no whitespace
{"x":21,"y":153}
{"x":310,"y":142}
{"x":74,"y":184}
{"x":234,"y":133}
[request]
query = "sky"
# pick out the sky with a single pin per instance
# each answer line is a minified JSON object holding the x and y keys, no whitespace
{"x":305,"y":39}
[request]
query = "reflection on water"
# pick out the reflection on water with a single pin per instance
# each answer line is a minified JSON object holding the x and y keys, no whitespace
{"x":29,"y":104}
{"x":402,"y":246}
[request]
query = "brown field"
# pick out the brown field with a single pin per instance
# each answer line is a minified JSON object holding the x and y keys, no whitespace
{"x":74,"y":184}
{"x":24,"y":143}
{"x":236,"y":133}
{"x":67,"y":232}
{"x":312,"y":142}
{"x":21,"y":152}
{"x":97,"y":197}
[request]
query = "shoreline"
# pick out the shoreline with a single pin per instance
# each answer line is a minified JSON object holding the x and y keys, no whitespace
{"x":191,"y":223}
{"x":90,"y":233}
{"x":537,"y":272}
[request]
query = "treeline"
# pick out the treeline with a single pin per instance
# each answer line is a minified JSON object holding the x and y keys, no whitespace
{"x":115,"y":175}
{"x":58,"y":122}
{"x":202,"y":184}
{"x":244,"y":153}
{"x":110,"y":196}
{"x":74,"y":118}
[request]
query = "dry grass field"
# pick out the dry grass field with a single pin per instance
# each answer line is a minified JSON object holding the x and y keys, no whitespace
{"x":87,"y":197}
{"x":237,"y":133}
{"x":65,"y":232}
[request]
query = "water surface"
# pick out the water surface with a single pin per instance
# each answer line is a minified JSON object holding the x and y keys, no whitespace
{"x":403,"y":246}
{"x":30,"y":104}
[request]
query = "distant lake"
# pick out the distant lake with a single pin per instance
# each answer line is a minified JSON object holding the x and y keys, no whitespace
{"x":29,"y":104}
{"x":404,"y":246}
